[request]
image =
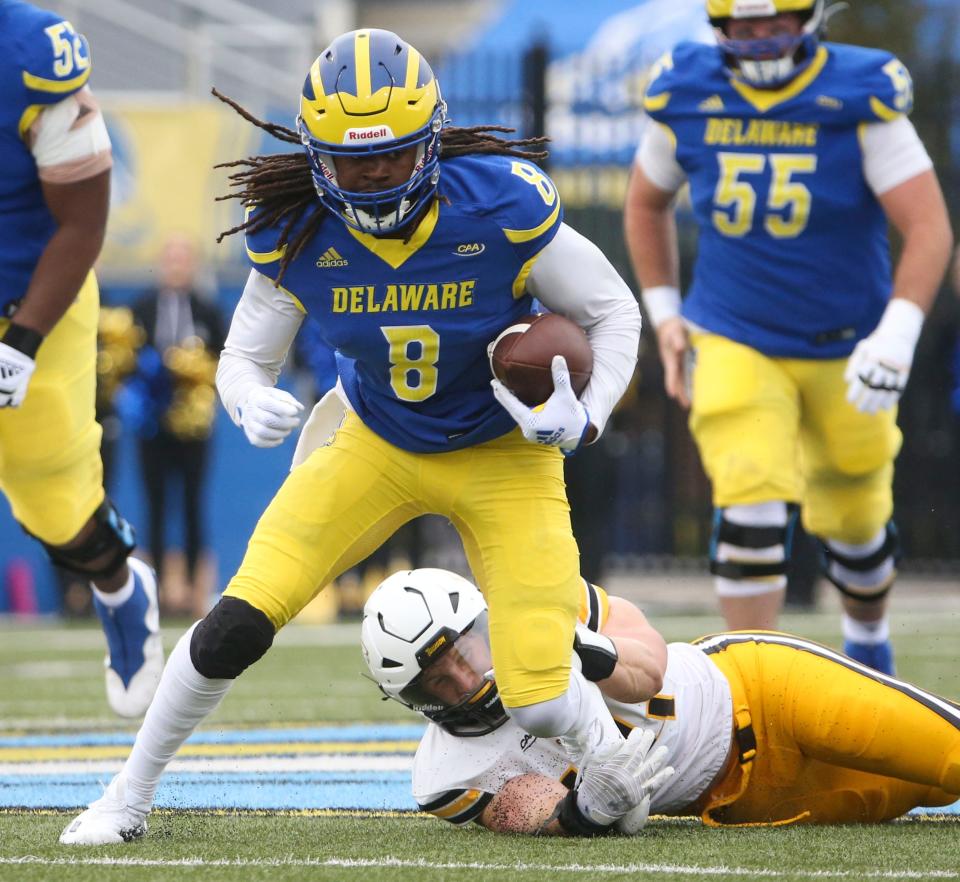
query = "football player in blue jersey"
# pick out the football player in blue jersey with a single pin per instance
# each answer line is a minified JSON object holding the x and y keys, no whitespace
{"x":54,"y":192}
{"x":795,"y":340}
{"x":412,"y":244}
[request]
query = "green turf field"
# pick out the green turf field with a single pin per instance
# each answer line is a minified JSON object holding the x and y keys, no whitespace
{"x":51,"y":680}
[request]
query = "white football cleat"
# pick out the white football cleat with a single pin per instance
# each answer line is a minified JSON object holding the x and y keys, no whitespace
{"x":108,"y":820}
{"x":134,"y":659}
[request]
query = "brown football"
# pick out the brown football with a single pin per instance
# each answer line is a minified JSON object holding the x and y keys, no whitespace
{"x":521,"y":354}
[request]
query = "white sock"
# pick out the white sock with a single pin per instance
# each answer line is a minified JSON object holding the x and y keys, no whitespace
{"x":184,"y":698}
{"x":866,"y":632}
{"x":578,"y":716}
{"x":115,"y":598}
{"x":593,"y":727}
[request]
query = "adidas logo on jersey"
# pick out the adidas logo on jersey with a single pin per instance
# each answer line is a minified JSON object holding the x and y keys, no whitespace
{"x":711,"y":104}
{"x":329,"y":258}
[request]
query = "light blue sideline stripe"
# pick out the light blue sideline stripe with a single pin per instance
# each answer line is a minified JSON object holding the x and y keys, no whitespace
{"x":382,"y":790}
{"x":286,"y":790}
{"x":231,"y":736}
{"x":940,"y":810}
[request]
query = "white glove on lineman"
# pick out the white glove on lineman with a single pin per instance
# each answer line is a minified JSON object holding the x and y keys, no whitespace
{"x":878,"y":369}
{"x":268,"y":415}
{"x":610,"y":789}
{"x":636,"y":819}
{"x":561,"y":421}
{"x":16,"y":368}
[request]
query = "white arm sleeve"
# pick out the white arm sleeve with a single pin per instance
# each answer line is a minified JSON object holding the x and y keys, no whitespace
{"x":657,"y":157}
{"x":572,"y":277}
{"x":892,"y":153}
{"x":69,"y":140}
{"x":263,"y":327}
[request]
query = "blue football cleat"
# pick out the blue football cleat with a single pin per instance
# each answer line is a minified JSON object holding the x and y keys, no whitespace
{"x":134,"y":659}
{"x":878,"y":656}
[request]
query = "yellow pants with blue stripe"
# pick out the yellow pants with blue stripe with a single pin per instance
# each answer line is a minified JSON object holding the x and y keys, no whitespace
{"x":836,"y":742}
{"x":506,"y":499}
{"x":50,"y":467}
{"x":772,"y":429}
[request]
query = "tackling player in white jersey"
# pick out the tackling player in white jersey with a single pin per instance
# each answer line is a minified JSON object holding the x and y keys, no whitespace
{"x":749,"y":727}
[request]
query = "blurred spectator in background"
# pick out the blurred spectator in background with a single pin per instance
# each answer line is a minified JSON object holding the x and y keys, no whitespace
{"x":796,"y":339}
{"x":170,"y":403}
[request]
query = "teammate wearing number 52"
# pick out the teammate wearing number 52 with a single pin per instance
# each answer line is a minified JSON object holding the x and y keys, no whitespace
{"x":412,"y":244}
{"x":54,"y":192}
{"x":794,"y":339}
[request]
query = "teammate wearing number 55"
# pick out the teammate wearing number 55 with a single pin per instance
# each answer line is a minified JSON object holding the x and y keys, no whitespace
{"x":412,"y":244}
{"x":795,"y":340}
{"x":54,"y":192}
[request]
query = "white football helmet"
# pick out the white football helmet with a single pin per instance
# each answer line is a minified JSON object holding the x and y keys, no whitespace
{"x":424,"y":638}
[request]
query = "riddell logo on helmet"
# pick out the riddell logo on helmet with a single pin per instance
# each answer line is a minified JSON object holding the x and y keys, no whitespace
{"x":753,"y":8}
{"x":377,"y":133}
{"x":433,"y":647}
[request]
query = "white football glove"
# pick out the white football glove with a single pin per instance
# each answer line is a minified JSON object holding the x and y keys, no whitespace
{"x":561,"y":421}
{"x":879,"y":367}
{"x":636,"y":819}
{"x":16,"y":368}
{"x":611,"y":788}
{"x":268,"y":415}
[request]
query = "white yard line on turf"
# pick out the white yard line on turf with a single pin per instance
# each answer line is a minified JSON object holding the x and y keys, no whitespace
{"x":661,"y":869}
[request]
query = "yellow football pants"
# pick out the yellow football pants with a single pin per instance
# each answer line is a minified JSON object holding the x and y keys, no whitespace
{"x":50,"y":468}
{"x":781,"y":429}
{"x":506,"y":499}
{"x":836,"y":742}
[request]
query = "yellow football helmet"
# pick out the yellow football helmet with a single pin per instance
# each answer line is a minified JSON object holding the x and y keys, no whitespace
{"x":774,"y":61}
{"x":370,"y":92}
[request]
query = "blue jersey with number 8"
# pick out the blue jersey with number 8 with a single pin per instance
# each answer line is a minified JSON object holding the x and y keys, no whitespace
{"x":411,"y":319}
{"x":793,"y":256}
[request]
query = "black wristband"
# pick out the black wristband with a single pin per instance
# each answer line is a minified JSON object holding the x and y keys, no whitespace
{"x":23,"y":339}
{"x":596,"y":661}
{"x":575,"y":822}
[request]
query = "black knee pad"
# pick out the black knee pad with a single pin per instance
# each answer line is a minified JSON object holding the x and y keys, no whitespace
{"x":753,"y":538}
{"x":889,"y":549}
{"x":110,"y":542}
{"x":232,"y":637}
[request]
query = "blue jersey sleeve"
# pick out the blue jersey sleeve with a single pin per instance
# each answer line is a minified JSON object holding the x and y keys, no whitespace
{"x":54,"y":59}
{"x":660,"y":87}
{"x":263,"y":254}
{"x":529,"y":210}
{"x":889,"y":88}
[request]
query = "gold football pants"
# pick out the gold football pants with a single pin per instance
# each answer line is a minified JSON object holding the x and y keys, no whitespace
{"x":781,"y":429}
{"x":506,"y":499}
{"x":836,"y":742}
{"x":50,"y":468}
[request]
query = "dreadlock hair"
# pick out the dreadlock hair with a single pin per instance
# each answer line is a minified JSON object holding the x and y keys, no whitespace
{"x":281,"y":183}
